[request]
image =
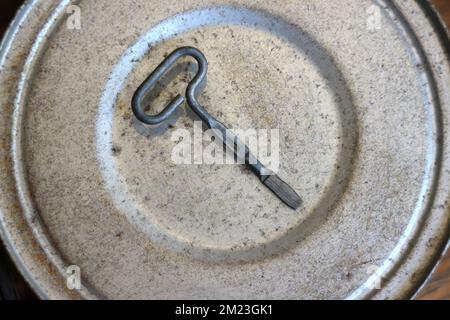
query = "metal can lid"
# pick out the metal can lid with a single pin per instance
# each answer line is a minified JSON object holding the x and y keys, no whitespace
{"x":355,"y":95}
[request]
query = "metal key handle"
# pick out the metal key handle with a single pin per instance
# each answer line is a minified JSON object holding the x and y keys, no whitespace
{"x":267,"y":177}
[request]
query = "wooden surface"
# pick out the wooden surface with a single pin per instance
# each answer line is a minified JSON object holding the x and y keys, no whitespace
{"x":15,"y":288}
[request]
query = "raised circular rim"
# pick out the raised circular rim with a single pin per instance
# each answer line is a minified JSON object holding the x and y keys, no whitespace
{"x":443,"y":32}
{"x":34,"y":53}
{"x":125,"y":66}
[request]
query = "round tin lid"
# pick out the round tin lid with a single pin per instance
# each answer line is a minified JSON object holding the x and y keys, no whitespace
{"x":356,"y":91}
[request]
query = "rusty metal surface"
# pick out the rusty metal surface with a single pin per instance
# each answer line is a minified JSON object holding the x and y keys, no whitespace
{"x":12,"y":284}
{"x":74,"y":197}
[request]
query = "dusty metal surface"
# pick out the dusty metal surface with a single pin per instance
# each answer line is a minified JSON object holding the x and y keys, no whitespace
{"x":363,"y":113}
